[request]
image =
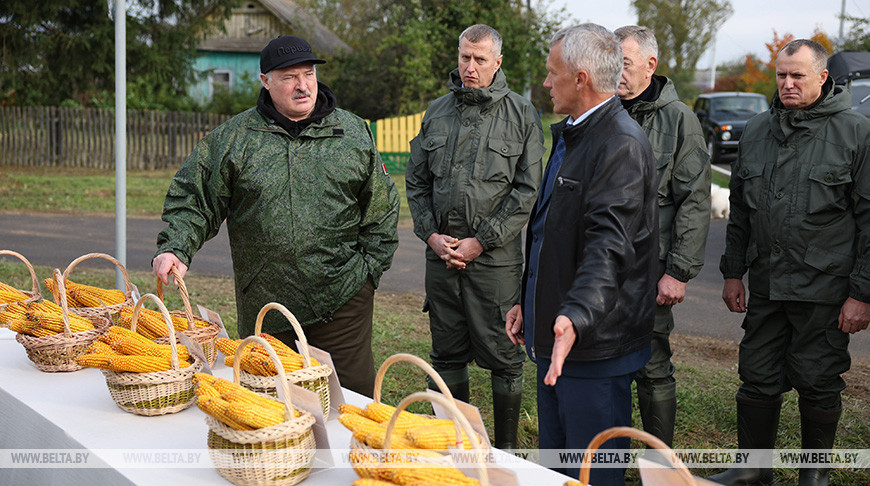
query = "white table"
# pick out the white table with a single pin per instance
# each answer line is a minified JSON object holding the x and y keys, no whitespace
{"x":45,"y":412}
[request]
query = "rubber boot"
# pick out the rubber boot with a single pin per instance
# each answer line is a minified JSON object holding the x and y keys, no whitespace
{"x":507,"y":398}
{"x":757,"y":424}
{"x":457,"y":383}
{"x":818,"y":429}
{"x":658,"y":409}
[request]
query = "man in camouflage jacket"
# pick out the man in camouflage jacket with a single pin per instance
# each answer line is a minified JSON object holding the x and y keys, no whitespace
{"x":474,"y":172}
{"x":311,"y":213}
{"x":683,"y":171}
{"x":800,"y":224}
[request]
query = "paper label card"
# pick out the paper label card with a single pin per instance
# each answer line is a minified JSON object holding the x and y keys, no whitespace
{"x":336,"y":396}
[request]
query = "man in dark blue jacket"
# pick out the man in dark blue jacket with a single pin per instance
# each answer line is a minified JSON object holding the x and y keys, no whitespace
{"x":589,"y":287}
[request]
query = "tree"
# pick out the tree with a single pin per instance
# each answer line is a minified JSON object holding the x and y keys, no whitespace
{"x":684,"y":30}
{"x":759,"y":76}
{"x":62,"y":51}
{"x":858,"y":37}
{"x":403,"y":50}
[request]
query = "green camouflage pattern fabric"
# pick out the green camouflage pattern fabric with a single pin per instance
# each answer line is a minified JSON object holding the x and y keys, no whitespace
{"x":309,"y":219}
{"x":800,"y":203}
{"x":475,"y":168}
{"x":683,"y":170}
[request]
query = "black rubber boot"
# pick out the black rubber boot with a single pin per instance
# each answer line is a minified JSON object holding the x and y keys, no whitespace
{"x":818,"y":429}
{"x":658,"y":409}
{"x":457,"y":383}
{"x":507,"y":398}
{"x":757,"y":424}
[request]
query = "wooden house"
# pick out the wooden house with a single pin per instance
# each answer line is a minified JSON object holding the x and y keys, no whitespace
{"x":232,"y":56}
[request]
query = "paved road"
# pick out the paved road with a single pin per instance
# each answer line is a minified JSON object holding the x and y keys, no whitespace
{"x":56,"y":240}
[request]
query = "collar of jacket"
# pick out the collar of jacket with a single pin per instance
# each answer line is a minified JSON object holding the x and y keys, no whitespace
{"x":666,"y":95}
{"x":574,"y":132}
{"x":323,"y":107}
{"x":784,"y":122}
{"x":479,"y":96}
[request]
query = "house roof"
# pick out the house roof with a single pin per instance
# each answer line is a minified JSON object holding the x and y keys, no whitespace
{"x":298,"y":21}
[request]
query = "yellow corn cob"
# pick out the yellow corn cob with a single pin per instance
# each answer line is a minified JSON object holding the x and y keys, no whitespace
{"x":378,"y":435}
{"x":54,"y":322}
{"x":206,"y":390}
{"x":226,"y":345}
{"x":228,"y":388}
{"x":371,"y":482}
{"x":255,"y":400}
{"x":359,"y":425}
{"x":10,"y":294}
{"x":80,"y":295}
{"x":254,"y":416}
{"x":204,"y":378}
{"x":574,"y":482}
{"x":99,"y":347}
{"x":381,"y":412}
{"x":437,"y":436}
{"x":218,"y":408}
{"x":95,"y":360}
{"x":128,"y":346}
{"x":14,"y":311}
{"x":348,"y":408}
{"x":365,"y":464}
{"x":429,"y":476}
{"x":30,"y":327}
{"x":142,"y":364}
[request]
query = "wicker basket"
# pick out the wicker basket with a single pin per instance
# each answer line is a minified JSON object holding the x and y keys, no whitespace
{"x":205,"y":336}
{"x":59,"y":351}
{"x":357,"y":444}
{"x":32,"y":295}
{"x":107,"y":310}
{"x":632,"y":433}
{"x":277,"y":455}
{"x":314,"y":378}
{"x":159,"y":392}
{"x":459,"y":421}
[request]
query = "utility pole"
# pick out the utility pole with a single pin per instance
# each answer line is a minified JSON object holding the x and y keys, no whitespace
{"x":842,"y":19}
{"x":120,"y":139}
{"x":713,"y":65}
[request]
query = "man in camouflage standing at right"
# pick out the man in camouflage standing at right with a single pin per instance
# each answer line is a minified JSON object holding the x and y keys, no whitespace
{"x":683,"y":170}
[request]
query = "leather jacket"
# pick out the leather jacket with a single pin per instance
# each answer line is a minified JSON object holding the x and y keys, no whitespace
{"x":598,"y":261}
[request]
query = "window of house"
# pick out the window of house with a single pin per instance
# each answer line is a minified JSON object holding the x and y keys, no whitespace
{"x":221,"y":79}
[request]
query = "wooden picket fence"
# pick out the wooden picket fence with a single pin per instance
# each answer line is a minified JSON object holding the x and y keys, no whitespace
{"x":85,"y":137}
{"x":393,"y":137}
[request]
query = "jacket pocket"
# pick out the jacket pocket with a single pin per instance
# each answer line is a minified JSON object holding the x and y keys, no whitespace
{"x":753,"y":190}
{"x":828,"y":188}
{"x":247,"y":277}
{"x":664,"y":171}
{"x":434,"y":146}
{"x":499,"y":162}
{"x":830,"y":262}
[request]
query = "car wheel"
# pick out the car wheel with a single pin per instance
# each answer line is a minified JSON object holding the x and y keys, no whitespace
{"x":713,"y":150}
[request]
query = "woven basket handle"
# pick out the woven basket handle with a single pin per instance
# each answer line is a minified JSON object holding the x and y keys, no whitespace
{"x":185,"y":296}
{"x":640,"y":435}
{"x":303,"y":348}
{"x":282,"y":376}
{"x":410,"y":358}
{"x":127,"y":285}
{"x":459,"y":421}
{"x":33,"y":278}
{"x":60,"y":298}
{"x":166,"y":318}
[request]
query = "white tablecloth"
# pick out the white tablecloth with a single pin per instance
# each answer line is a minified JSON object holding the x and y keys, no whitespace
{"x":45,"y":412}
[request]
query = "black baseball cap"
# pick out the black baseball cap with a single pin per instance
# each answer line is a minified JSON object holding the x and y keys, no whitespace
{"x":286,"y":51}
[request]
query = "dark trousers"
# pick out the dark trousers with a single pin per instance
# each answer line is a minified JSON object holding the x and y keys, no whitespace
{"x":793,"y":345}
{"x":573,"y":411}
{"x":659,"y":370}
{"x":467,"y":314}
{"x":348,"y":340}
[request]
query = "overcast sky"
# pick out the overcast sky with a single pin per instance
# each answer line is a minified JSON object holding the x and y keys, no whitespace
{"x":749,"y":27}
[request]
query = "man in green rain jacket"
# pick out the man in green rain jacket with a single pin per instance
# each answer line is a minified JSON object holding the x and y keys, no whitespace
{"x":472,"y":179}
{"x":800,"y":224}
{"x":311,"y":213}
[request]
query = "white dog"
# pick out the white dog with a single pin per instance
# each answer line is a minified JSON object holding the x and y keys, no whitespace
{"x":719,"y":205}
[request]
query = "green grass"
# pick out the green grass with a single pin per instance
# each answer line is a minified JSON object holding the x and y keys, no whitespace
{"x":706,"y":372}
{"x":92,"y":191}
